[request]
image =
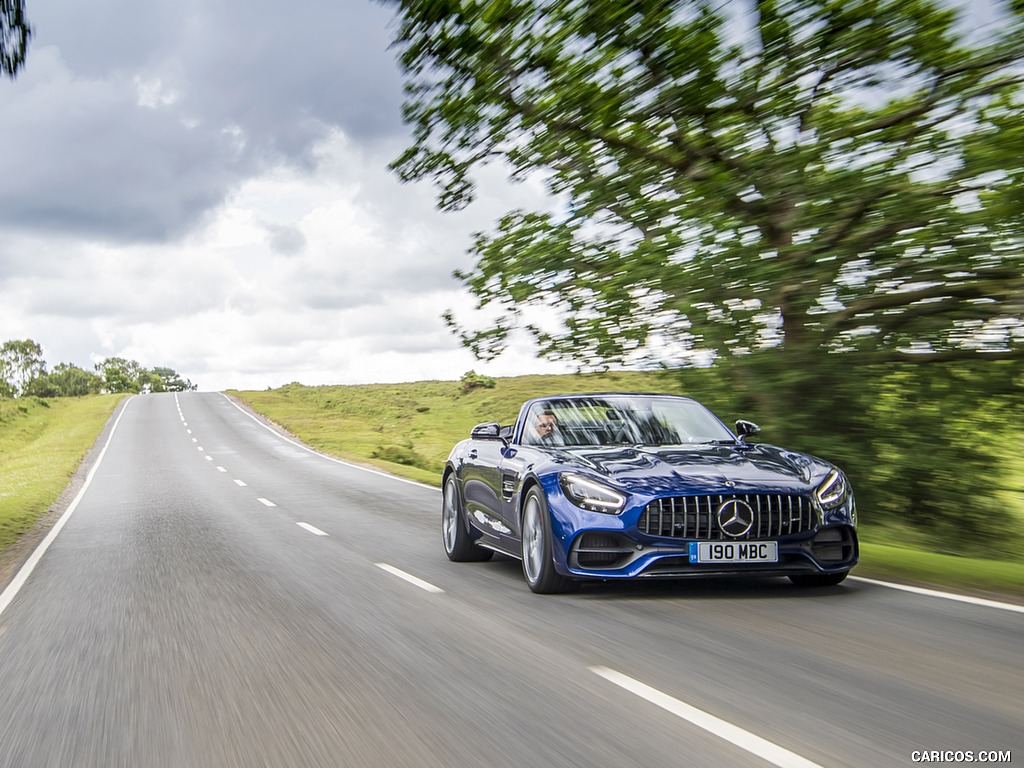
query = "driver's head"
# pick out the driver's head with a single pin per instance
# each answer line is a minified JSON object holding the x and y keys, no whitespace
{"x":546,"y":423}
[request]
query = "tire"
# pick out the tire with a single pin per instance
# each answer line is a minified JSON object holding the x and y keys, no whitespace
{"x":819,"y":579}
{"x":538,"y":563}
{"x":457,"y":544}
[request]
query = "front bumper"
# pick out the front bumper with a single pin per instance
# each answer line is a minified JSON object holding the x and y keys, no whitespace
{"x":609,"y":555}
{"x":632,"y":545}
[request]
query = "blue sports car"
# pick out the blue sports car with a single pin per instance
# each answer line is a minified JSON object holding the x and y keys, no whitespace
{"x":620,"y":486}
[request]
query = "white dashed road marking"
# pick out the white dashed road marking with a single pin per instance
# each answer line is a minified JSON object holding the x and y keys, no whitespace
{"x":311,"y":529}
{"x":240,"y":483}
{"x":425,"y":585}
{"x":266,"y":502}
{"x":763,"y":748}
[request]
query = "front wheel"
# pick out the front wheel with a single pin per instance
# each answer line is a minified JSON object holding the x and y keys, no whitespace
{"x":457,"y":544}
{"x":819,"y":579}
{"x":538,"y":563}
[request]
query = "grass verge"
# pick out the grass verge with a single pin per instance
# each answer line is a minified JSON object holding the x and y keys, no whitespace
{"x":967,"y":574}
{"x":42,"y":443}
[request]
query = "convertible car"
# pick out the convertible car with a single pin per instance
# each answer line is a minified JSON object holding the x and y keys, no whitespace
{"x":621,"y":486}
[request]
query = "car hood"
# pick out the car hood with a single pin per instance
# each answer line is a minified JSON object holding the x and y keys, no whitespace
{"x":701,"y":468}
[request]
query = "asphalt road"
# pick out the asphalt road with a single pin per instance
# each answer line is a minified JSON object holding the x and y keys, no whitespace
{"x":222,"y":596}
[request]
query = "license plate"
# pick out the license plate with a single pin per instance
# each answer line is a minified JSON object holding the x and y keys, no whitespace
{"x":734,"y":552}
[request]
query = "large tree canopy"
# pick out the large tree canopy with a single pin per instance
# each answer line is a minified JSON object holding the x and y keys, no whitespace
{"x":817,"y":175}
{"x":14,"y":35}
{"x":20,"y":362}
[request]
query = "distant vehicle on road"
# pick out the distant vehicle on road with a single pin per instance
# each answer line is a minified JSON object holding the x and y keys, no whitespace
{"x":623,"y":486}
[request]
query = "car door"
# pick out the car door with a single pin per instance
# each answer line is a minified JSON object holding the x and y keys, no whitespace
{"x":481,"y":486}
{"x":511,"y":471}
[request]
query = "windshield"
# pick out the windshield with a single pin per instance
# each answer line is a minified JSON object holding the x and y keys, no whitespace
{"x":622,"y":420}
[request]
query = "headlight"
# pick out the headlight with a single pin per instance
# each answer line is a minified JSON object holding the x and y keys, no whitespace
{"x":591,"y":495}
{"x":832,"y":492}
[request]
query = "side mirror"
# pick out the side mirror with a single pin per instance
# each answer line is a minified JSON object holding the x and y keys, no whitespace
{"x":490,"y":430}
{"x":746,"y":428}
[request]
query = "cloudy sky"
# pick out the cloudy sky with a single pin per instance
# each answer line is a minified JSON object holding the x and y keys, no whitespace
{"x":202,"y":184}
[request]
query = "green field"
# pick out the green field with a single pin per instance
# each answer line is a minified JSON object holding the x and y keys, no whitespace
{"x":42,"y":442}
{"x":408,"y":430}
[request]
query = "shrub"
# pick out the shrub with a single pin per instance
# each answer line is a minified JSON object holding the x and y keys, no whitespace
{"x":398,"y":454}
{"x":472,"y":380}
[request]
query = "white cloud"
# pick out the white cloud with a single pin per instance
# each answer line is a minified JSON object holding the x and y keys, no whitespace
{"x":338,"y":275}
{"x":179,"y":193}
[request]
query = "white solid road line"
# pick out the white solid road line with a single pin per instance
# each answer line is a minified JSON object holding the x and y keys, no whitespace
{"x":763,"y":748}
{"x":945,"y":595}
{"x":323,"y":455}
{"x":266,"y":502}
{"x":311,"y":529}
{"x":22,"y":576}
{"x":424,"y":585}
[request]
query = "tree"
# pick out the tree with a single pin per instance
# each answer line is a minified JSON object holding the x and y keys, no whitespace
{"x":805,"y":176}
{"x":171,"y":381}
{"x":20,"y":363}
{"x":811,"y":194}
{"x":14,"y":36}
{"x":66,"y":380}
{"x":120,"y":375}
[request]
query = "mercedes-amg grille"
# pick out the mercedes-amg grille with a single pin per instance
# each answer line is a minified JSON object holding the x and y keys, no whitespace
{"x":696,"y":517}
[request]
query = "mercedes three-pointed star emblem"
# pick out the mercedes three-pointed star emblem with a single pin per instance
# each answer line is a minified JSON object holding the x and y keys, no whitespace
{"x":735,"y":518}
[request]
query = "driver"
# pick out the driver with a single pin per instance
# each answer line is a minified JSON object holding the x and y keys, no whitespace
{"x":545,"y":430}
{"x":547,"y":424}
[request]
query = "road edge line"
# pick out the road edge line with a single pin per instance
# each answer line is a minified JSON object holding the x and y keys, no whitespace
{"x":969,"y":599}
{"x":15,"y":585}
{"x":315,"y":452}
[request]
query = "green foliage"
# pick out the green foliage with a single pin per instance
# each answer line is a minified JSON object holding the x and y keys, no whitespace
{"x":472,"y":380}
{"x":20,"y":362}
{"x":15,"y":33}
{"x":121,"y":375}
{"x":938,"y":459}
{"x":23,"y":372}
{"x":66,"y":380}
{"x":168,"y":380}
{"x":404,"y":454}
{"x":832,"y":176}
